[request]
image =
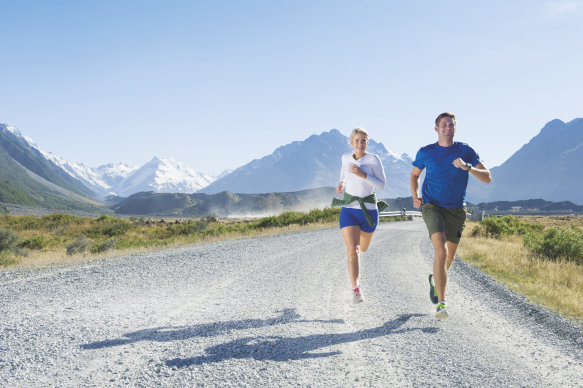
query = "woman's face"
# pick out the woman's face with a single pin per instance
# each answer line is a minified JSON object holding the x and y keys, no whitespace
{"x":359,"y":143}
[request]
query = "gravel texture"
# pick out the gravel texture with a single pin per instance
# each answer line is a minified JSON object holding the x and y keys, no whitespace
{"x":277,"y":311}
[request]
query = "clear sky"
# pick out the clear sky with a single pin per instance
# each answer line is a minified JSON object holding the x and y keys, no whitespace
{"x":216,"y":84}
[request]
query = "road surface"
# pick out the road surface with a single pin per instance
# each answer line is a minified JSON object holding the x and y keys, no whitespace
{"x":277,"y":311}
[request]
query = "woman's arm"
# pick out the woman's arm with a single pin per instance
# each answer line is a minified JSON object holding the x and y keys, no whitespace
{"x":377,"y":179}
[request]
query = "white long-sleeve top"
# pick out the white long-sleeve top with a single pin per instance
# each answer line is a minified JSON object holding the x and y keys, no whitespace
{"x":357,"y":186}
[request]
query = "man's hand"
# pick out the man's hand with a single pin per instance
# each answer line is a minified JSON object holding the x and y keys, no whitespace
{"x":340,"y":188}
{"x":417,"y":202}
{"x":459,"y":163}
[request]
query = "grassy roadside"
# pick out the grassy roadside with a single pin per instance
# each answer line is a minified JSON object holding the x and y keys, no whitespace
{"x":528,"y":259}
{"x":32,"y":241}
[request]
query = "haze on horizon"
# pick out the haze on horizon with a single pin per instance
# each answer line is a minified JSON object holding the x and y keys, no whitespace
{"x":217,"y":84}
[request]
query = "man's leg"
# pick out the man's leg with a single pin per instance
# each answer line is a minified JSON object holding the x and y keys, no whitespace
{"x":440,"y":263}
{"x":451,"y":248}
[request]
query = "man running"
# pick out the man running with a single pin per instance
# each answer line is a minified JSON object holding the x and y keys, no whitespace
{"x":448,"y":165}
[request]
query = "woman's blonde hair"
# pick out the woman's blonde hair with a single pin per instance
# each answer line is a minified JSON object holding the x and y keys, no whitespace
{"x":358,"y":130}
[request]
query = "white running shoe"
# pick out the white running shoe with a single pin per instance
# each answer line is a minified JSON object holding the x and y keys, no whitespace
{"x":441,"y":311}
{"x":357,"y":298}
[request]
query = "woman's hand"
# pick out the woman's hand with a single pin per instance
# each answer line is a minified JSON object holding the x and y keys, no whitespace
{"x":340,"y":188}
{"x":357,"y":171}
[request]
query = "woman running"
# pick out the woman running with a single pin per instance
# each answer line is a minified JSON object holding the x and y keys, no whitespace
{"x":361,"y":173}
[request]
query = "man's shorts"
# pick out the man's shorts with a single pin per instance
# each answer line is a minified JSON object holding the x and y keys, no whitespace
{"x":355,"y":217}
{"x":444,"y":220}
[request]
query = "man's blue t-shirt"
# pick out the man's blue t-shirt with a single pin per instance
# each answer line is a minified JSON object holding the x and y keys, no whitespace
{"x":444,"y":184}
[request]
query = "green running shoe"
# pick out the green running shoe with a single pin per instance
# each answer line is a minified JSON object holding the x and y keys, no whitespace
{"x":432,"y":290}
{"x":441,"y":311}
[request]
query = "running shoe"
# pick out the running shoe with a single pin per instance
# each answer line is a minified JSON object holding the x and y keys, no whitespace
{"x":432,"y":290}
{"x":441,"y":311}
{"x":357,"y":298}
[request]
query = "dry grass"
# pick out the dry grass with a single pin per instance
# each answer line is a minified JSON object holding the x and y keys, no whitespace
{"x":555,"y":221}
{"x":37,"y":259}
{"x":556,"y":285}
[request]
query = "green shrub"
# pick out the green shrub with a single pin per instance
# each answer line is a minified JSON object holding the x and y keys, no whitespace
{"x":57,"y":220}
{"x":557,"y":244}
{"x":78,"y":246}
{"x":266,"y":222}
{"x":105,"y":246}
{"x":107,"y":225}
{"x":34,"y":243}
{"x":8,"y":240}
{"x":8,"y":258}
{"x":496,"y":227}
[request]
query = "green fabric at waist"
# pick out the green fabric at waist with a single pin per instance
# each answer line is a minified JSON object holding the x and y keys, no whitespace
{"x":381,"y":205}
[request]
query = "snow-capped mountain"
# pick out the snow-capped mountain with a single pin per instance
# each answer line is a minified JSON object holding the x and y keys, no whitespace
{"x":163,"y":175}
{"x":159,"y":175}
{"x":311,"y":163}
{"x":27,"y":177}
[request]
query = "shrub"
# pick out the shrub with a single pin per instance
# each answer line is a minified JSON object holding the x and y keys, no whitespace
{"x":496,"y":227}
{"x":78,"y":246}
{"x":181,"y":229}
{"x":7,"y":258}
{"x":107,"y":225}
{"x":35,"y":243}
{"x":8,"y":240}
{"x":266,"y":222}
{"x":56,"y":220}
{"x":557,"y":244}
{"x":105,"y":246}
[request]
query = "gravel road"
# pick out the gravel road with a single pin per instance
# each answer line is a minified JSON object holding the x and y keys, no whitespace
{"x":277,"y":311}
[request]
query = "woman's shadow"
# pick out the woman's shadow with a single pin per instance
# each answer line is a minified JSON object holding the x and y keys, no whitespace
{"x":176,"y":333}
{"x":285,"y":349}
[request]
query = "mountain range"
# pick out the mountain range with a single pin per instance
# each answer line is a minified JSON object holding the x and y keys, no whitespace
{"x":313,"y":162}
{"x":545,"y":168}
{"x":27,"y":178}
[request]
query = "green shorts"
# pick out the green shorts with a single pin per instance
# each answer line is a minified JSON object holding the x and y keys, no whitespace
{"x":444,"y":220}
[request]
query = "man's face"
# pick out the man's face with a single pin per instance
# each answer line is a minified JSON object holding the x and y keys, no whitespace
{"x":446,"y":127}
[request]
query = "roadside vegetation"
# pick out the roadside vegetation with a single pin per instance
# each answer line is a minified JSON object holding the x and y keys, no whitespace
{"x":539,"y":257}
{"x":33,"y":240}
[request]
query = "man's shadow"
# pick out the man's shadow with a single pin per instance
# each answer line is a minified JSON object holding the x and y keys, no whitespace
{"x":284,"y":349}
{"x":169,"y":333}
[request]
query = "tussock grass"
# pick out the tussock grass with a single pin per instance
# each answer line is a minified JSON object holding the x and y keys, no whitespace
{"x":63,"y":238}
{"x":555,"y":284}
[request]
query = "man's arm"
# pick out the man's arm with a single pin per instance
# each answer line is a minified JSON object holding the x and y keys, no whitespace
{"x":414,"y":183}
{"x":479,"y":170}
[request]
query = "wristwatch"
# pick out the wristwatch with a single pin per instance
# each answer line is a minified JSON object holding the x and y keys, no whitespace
{"x":469,"y":166}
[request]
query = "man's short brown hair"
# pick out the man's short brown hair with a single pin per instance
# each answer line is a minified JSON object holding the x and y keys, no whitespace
{"x":445,"y":114}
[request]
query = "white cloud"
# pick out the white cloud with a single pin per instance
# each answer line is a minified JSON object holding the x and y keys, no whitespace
{"x":562,"y":8}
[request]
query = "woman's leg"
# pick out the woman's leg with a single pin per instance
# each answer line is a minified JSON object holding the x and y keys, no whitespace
{"x":351,"y":236}
{"x":365,"y":239}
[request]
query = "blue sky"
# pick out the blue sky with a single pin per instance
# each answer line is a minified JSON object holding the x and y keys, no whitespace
{"x":216,"y":84}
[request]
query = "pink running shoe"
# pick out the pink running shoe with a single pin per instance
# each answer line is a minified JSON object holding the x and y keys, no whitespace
{"x":357,"y":298}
